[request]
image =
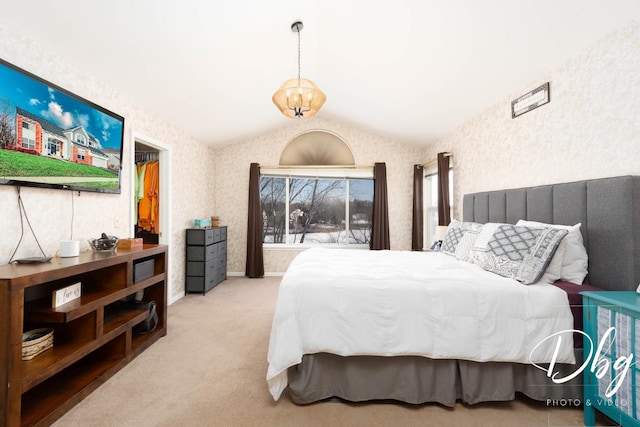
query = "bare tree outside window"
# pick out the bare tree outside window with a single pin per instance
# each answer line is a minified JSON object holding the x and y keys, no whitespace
{"x":7,"y":123}
{"x":273,"y":199}
{"x":360,"y":208}
{"x":319,"y":210}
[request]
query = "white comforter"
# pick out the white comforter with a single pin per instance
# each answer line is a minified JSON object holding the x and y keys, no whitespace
{"x":388,"y":303}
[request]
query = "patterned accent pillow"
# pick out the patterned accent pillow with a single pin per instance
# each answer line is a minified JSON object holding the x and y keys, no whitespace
{"x":464,"y":250}
{"x":485,"y":234}
{"x":456,"y":236}
{"x":520,"y":253}
{"x":572,"y":256}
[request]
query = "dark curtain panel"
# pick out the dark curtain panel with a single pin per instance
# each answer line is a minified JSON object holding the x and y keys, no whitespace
{"x":380,"y":216}
{"x":418,"y":216}
{"x":255,"y":262}
{"x":444,"y":205}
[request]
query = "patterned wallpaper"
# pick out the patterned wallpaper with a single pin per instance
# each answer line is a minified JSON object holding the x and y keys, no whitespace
{"x":590,"y":129}
{"x":197,"y":189}
{"x":50,"y":211}
{"x":232,"y":183}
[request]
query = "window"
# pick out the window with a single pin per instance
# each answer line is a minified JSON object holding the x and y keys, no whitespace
{"x":28,"y":143}
{"x":81,"y":154}
{"x":430,"y":201}
{"x":28,"y":135}
{"x":80,"y":139}
{"x":316,"y":210}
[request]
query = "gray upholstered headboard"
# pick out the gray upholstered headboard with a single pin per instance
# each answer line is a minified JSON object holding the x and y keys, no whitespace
{"x":608,"y":208}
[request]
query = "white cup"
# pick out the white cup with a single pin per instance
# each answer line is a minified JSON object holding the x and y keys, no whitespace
{"x":69,"y":248}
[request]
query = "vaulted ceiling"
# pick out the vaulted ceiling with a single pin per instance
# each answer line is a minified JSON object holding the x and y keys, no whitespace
{"x":411,"y":70}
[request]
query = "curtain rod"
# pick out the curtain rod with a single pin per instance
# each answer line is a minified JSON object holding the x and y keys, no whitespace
{"x":432,"y":161}
{"x":316,"y":166}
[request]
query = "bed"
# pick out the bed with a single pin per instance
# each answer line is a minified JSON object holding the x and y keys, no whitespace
{"x":304,"y":358}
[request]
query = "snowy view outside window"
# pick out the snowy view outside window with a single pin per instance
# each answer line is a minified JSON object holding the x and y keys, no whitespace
{"x":315,"y":211}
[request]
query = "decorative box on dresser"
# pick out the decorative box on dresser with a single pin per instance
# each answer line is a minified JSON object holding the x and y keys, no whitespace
{"x":611,"y":377}
{"x":93,"y":335}
{"x":206,"y":258}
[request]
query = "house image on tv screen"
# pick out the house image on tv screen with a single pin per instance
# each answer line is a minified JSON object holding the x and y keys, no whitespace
{"x":36,"y":135}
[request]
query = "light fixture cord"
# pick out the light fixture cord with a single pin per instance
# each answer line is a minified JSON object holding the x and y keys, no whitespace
{"x":298,"y":54}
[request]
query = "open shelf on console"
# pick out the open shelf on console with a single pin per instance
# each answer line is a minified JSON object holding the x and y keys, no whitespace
{"x":42,"y":311}
{"x":93,"y":335}
{"x":61,"y":389}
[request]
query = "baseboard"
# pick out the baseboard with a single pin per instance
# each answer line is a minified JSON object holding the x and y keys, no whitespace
{"x":268,"y":274}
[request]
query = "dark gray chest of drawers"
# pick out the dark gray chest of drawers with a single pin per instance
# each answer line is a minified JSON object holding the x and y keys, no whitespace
{"x":206,"y":258}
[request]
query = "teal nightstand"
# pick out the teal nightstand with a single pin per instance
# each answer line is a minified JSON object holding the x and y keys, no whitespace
{"x":611,"y":378}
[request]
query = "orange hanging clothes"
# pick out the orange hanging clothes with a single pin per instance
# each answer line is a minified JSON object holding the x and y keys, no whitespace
{"x":154,"y":194}
{"x":149,"y":207}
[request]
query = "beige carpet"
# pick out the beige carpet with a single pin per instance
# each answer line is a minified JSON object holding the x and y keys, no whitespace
{"x":210,"y":371}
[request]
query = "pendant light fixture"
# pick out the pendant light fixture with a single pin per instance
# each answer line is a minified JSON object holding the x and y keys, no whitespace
{"x":298,"y":98}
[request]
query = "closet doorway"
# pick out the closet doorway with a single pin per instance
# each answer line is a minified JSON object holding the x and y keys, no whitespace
{"x":154,"y":228}
{"x":146,"y":194}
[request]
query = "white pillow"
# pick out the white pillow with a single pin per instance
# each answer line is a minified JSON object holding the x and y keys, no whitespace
{"x":571,"y":248}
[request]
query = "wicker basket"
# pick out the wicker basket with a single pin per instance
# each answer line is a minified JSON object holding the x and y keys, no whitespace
{"x":35,"y":342}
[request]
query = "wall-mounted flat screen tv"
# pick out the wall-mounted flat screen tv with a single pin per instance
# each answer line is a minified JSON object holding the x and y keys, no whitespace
{"x":51,"y":138}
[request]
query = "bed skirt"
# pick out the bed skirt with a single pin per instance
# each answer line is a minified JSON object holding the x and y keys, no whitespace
{"x":416,"y":380}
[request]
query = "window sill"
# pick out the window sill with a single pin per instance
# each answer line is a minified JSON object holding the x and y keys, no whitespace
{"x":300,"y":247}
